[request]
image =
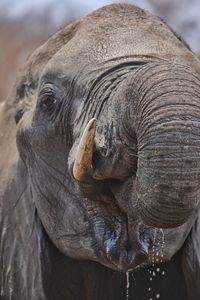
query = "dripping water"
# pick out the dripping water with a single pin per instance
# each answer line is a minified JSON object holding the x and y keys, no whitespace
{"x":153,"y":259}
{"x":127,"y":285}
{"x":162,"y":249}
{"x":162,"y":244}
{"x":157,"y":257}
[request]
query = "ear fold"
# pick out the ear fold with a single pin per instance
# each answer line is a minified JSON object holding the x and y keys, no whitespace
{"x":25,"y":88}
{"x":191,"y":262}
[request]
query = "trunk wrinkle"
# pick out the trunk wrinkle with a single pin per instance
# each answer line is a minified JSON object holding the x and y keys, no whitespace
{"x":167,"y":126}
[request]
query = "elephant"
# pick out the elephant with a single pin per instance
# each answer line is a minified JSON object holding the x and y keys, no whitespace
{"x":99,"y":167}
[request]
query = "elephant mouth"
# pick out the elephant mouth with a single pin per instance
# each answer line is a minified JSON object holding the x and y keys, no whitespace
{"x":119,"y":243}
{"x":125,"y":260}
{"x":132,"y":250}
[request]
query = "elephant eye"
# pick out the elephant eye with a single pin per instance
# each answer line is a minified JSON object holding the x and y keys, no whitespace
{"x":50,"y":101}
{"x":47,"y":99}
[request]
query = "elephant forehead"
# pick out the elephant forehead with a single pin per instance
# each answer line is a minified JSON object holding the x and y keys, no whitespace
{"x":121,"y":31}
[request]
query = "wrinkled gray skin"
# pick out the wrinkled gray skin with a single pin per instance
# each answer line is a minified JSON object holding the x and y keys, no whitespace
{"x":127,"y":69}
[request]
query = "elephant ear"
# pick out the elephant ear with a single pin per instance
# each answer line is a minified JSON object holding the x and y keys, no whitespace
{"x":191,"y":261}
{"x":24,"y":90}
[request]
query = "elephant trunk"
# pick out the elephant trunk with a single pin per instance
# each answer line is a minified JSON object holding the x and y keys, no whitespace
{"x":167,"y":125}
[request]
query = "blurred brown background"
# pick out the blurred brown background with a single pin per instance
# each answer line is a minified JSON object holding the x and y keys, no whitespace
{"x":25,"y":25}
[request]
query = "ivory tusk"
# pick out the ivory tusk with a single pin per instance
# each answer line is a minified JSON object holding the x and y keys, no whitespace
{"x":82,"y":168}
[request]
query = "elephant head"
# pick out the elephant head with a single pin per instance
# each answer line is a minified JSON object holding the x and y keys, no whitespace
{"x":108,"y":131}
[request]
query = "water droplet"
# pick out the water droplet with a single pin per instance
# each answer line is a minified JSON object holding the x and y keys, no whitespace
{"x":163,"y":272}
{"x":157,"y":296}
{"x":150,"y":278}
{"x":154,"y":274}
{"x":149,"y":289}
{"x":158,"y":270}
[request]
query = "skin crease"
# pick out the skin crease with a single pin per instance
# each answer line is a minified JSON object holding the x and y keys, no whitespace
{"x":113,"y":65}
